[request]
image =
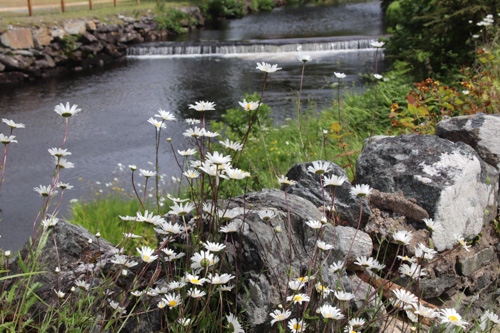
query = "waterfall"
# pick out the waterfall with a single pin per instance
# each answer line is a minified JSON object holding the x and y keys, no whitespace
{"x":258,"y":46}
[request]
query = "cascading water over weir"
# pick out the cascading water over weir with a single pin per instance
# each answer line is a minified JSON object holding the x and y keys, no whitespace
{"x":211,"y":48}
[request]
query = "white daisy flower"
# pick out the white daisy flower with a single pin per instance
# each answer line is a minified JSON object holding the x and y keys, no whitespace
{"x":13,"y":124}
{"x":267,"y":68}
{"x":202,"y":106}
{"x":249,"y":106}
{"x":339,"y":75}
{"x":147,"y":254}
{"x":280,"y":315}
{"x":66,"y":110}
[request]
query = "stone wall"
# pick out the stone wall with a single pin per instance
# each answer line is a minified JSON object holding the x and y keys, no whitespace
{"x":73,"y":45}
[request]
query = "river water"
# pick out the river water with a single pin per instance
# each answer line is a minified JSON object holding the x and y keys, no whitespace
{"x":117,"y":102}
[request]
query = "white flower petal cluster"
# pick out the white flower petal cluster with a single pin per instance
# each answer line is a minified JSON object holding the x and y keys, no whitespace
{"x":203,"y":259}
{"x":147,"y":254}
{"x":285,"y":181}
{"x":234,"y":325}
{"x":304,"y":58}
{"x":267,"y":68}
{"x":414,"y":271}
{"x":66,"y":110}
{"x":369,"y":263}
{"x":235,"y":146}
{"x":280,"y":315}
{"x":248,"y":105}
{"x":214,"y":247}
{"x":298,"y":298}
{"x":165,"y":115}
{"x":339,"y":75}
{"x":180,"y":209}
{"x":334,"y":180}
{"x":13,"y":124}
{"x":319,"y":167}
{"x":266,"y":215}
{"x":404,"y":298}
{"x":159,"y":124}
{"x":377,"y":44}
{"x":297,"y":326}
{"x":402,"y":237}
{"x":460,"y":240}
{"x":323,"y":245}
{"x":218,"y":158}
{"x":62,"y":163}
{"x":192,"y":121}
{"x":219,"y":279}
{"x":7,"y":139}
{"x":452,"y":317}
{"x":361,"y":190}
{"x":187,"y":152}
{"x":343,"y":296}
{"x":234,"y":226}
{"x":296,"y":284}
{"x":150,"y":218}
{"x":330,"y":312}
{"x":50,"y":221}
{"x":202,"y":106}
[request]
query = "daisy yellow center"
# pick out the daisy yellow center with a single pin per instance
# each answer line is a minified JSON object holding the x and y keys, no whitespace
{"x":297,"y":298}
{"x":172,"y":303}
{"x":195,"y":281}
{"x":146,"y":257}
{"x":278,"y":317}
{"x":453,"y":318}
{"x":248,"y":106}
{"x":296,"y":327}
{"x":302,"y":279}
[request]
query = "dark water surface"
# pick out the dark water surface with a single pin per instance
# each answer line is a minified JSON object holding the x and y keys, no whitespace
{"x":116,"y":103}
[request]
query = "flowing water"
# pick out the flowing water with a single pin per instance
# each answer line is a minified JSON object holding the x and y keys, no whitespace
{"x":215,"y":65}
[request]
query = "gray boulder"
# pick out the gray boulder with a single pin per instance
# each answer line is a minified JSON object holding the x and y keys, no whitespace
{"x":309,"y":188}
{"x":480,"y":131}
{"x":449,"y":180}
{"x":265,"y":253}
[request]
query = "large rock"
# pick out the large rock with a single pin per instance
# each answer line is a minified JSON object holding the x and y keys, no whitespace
{"x":480,"y":131}
{"x":41,"y":37}
{"x":309,"y":188}
{"x":449,"y":180}
{"x":265,"y":254}
{"x":75,"y":27}
{"x":18,"y":39}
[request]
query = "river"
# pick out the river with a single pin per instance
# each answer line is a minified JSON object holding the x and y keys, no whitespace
{"x":117,"y":102}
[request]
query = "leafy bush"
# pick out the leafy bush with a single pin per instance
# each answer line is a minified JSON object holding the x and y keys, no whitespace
{"x":215,"y":9}
{"x":434,"y":37}
{"x":173,"y":19}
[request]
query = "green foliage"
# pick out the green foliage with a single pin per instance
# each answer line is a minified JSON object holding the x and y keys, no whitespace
{"x":215,"y":9}
{"x":173,"y":19}
{"x":434,"y":37}
{"x":69,"y":44}
{"x":263,"y":5}
{"x":101,"y":214}
{"x":430,"y":101}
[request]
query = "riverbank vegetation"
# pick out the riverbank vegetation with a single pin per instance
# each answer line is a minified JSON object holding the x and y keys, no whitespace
{"x":253,"y":155}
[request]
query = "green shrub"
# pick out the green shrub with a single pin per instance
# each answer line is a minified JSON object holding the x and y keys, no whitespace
{"x":173,"y":19}
{"x":434,"y":37}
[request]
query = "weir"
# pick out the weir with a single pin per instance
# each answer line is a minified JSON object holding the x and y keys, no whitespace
{"x":335,"y":44}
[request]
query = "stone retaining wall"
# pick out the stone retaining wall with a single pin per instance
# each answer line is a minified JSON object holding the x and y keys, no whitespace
{"x":30,"y":53}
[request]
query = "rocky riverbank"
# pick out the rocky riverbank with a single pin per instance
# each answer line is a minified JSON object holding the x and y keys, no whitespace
{"x":27,"y":54}
{"x":451,"y":177}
